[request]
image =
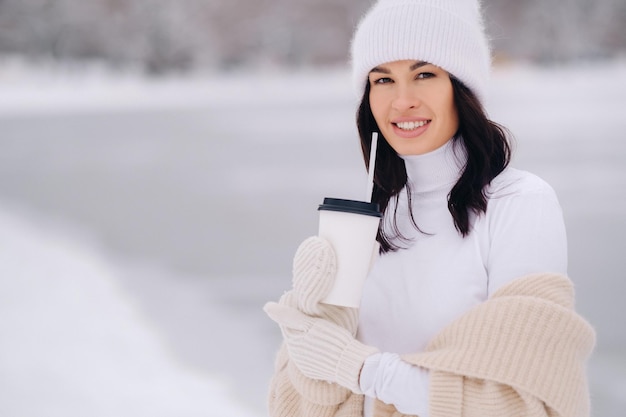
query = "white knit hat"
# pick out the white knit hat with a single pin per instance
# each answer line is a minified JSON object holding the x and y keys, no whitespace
{"x":446,"y":33}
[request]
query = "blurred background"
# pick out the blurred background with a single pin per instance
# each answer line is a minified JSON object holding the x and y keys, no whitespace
{"x":161,"y":160}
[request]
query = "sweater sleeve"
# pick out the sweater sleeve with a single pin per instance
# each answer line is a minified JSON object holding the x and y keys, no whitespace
{"x":293,"y":394}
{"x":527,"y":235}
{"x":522,"y":352}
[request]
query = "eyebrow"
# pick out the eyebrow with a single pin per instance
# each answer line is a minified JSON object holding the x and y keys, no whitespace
{"x":413,"y":67}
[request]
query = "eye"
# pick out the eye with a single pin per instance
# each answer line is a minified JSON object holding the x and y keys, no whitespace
{"x":424,"y":75}
{"x":382,"y":80}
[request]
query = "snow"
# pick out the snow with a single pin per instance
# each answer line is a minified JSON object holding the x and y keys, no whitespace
{"x":144,"y":223}
{"x":73,"y":342}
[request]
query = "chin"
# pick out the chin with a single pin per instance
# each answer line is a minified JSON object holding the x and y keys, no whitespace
{"x":412,"y":150}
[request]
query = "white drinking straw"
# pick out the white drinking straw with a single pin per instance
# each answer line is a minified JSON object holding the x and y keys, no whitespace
{"x":372,"y":167}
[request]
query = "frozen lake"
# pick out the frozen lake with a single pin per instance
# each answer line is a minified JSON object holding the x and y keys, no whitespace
{"x":146,"y":223}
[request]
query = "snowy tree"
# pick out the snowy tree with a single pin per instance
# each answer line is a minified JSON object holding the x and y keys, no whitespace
{"x":166,"y":35}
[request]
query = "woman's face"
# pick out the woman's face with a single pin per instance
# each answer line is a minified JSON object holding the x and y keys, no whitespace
{"x":413,"y":105}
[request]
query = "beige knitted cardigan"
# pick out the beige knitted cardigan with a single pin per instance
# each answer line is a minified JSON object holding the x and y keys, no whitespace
{"x":522,"y":353}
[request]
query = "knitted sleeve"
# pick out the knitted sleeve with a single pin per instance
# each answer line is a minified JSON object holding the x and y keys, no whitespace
{"x":293,"y":394}
{"x":523,"y":352}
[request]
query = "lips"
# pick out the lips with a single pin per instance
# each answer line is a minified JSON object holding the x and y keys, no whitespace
{"x":410,"y":128}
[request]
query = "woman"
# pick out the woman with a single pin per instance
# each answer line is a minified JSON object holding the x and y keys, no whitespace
{"x":468,"y":310}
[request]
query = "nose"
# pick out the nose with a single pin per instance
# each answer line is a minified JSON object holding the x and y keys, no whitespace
{"x":405,"y":98}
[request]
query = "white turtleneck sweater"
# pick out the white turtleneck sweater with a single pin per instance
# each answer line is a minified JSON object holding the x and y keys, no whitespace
{"x":413,"y":293}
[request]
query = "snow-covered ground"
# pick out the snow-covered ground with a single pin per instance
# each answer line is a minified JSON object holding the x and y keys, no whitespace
{"x":143,"y":224}
{"x":73,"y":343}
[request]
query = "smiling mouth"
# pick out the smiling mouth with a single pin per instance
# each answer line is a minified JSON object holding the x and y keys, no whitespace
{"x":408,"y":126}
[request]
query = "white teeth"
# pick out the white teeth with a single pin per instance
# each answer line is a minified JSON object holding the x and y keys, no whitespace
{"x":411,"y":125}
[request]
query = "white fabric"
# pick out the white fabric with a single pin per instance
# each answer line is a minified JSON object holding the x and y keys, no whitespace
{"x":446,"y":33}
{"x":387,"y":377}
{"x":411,"y":294}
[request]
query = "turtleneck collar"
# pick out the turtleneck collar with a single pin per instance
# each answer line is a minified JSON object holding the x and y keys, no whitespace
{"x":438,"y":169}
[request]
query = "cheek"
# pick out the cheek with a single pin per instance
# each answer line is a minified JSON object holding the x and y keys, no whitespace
{"x":377,"y":107}
{"x":454,"y":116}
{"x":456,"y":121}
{"x":374,"y":106}
{"x":449,"y":108}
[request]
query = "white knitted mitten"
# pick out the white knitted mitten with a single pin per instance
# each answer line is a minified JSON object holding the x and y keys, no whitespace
{"x":314,"y":270}
{"x":320,"y":349}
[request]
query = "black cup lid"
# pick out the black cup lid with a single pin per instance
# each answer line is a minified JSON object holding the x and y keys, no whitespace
{"x":351,"y":206}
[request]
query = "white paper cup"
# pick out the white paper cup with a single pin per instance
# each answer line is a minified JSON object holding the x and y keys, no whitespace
{"x":350,"y":226}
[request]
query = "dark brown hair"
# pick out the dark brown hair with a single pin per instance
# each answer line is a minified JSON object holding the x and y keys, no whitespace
{"x":488,"y":153}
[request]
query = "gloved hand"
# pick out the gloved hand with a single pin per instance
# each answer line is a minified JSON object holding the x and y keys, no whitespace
{"x":314,"y":270}
{"x":319,"y":348}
